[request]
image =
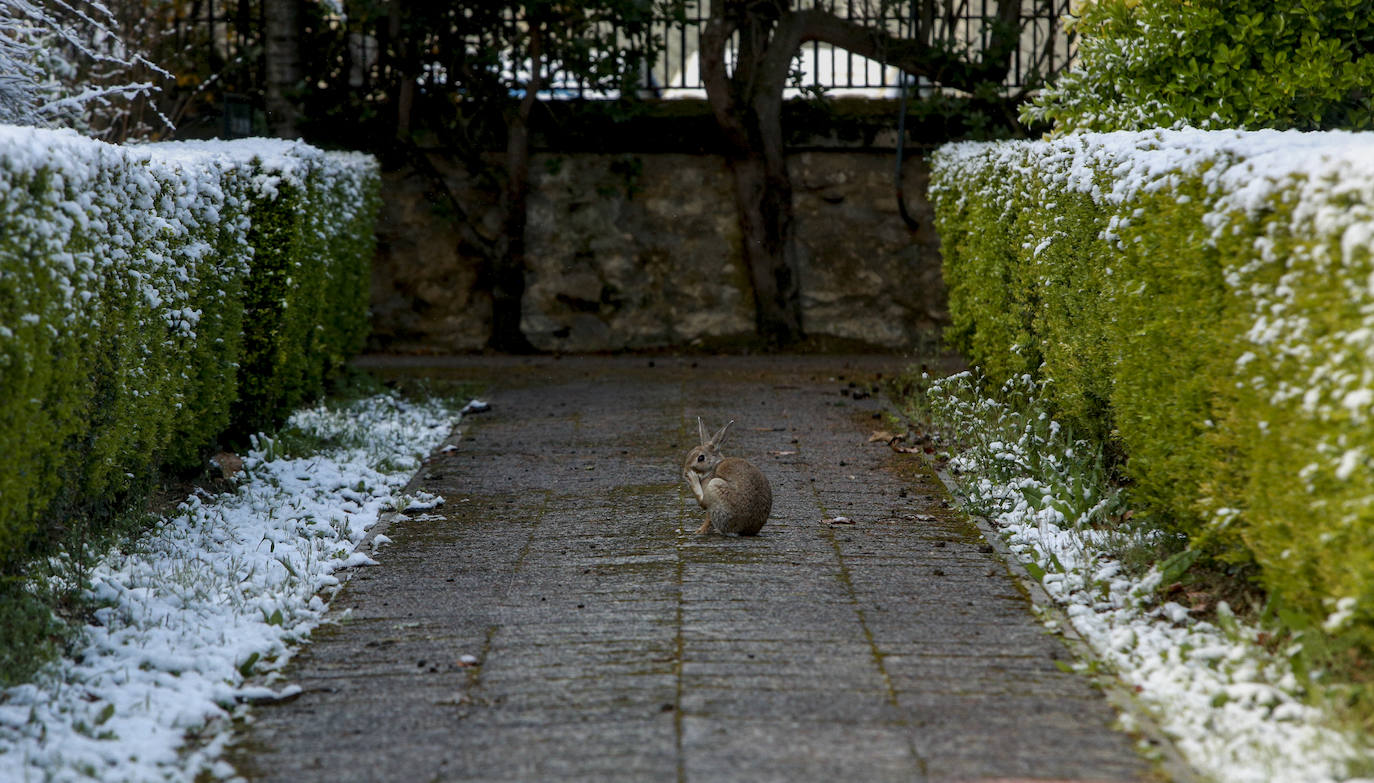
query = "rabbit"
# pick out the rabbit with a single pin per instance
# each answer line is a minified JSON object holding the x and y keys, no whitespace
{"x":734,"y":493}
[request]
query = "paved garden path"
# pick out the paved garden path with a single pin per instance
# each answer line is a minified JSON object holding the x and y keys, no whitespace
{"x":611,"y":643}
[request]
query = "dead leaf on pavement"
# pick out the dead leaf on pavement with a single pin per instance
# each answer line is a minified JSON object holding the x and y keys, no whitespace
{"x":227,"y":463}
{"x":893,"y":440}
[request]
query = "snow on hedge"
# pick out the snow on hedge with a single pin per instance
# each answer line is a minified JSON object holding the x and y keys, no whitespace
{"x":1205,"y":299}
{"x":217,"y":593}
{"x":152,"y":296}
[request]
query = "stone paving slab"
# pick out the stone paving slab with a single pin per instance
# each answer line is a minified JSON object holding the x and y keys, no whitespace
{"x":614,"y":644}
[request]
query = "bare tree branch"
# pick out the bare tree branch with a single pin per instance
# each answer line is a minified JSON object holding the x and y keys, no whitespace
{"x":940,"y":63}
{"x":60,"y":63}
{"x":719,"y":94}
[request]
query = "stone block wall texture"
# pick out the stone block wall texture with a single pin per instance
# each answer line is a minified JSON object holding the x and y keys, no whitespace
{"x":642,"y":250}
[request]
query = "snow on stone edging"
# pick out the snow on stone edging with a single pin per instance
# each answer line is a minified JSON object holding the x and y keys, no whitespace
{"x":217,"y":592}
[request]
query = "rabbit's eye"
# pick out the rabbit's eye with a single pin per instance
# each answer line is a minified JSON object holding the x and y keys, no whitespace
{"x":701,"y":458}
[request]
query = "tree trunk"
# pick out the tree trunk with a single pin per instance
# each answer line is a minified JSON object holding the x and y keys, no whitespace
{"x":747,"y":105}
{"x":281,"y":49}
{"x":508,"y":263}
{"x":399,"y":50}
{"x":768,"y":239}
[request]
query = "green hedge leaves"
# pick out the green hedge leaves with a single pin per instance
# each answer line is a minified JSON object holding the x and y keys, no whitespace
{"x":153,"y":298}
{"x":1303,"y":64}
{"x":1203,"y":304}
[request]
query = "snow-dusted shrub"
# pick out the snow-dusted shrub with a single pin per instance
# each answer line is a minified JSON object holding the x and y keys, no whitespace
{"x":310,"y":220}
{"x":124,"y":273}
{"x":1304,"y":64}
{"x":1202,"y":301}
{"x":46,"y":339}
{"x":349,"y":208}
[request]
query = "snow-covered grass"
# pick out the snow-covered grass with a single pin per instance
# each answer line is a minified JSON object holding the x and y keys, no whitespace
{"x":1237,"y":710}
{"x":199,"y":614}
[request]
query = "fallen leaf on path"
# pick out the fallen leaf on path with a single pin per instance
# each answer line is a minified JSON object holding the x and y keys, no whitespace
{"x":893,"y":440}
{"x":1199,"y":601}
{"x":227,"y":463}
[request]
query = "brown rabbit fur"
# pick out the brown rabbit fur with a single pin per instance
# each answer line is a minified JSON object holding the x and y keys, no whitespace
{"x":734,"y":493}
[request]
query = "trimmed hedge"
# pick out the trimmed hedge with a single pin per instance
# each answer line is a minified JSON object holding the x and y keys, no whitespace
{"x":1203,"y":302}
{"x":304,"y":318}
{"x":153,"y":297}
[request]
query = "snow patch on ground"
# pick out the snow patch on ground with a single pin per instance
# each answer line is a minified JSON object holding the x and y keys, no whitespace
{"x":217,"y":593}
{"x":1233,"y":709}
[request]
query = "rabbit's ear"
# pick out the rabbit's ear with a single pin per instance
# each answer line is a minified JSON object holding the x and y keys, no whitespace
{"x":720,"y":436}
{"x":701,"y":428}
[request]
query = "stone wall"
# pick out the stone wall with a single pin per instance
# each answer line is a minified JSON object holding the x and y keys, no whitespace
{"x":642,"y":250}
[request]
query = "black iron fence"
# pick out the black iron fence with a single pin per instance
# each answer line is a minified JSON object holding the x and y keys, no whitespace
{"x":225,"y":39}
{"x":1046,"y":47}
